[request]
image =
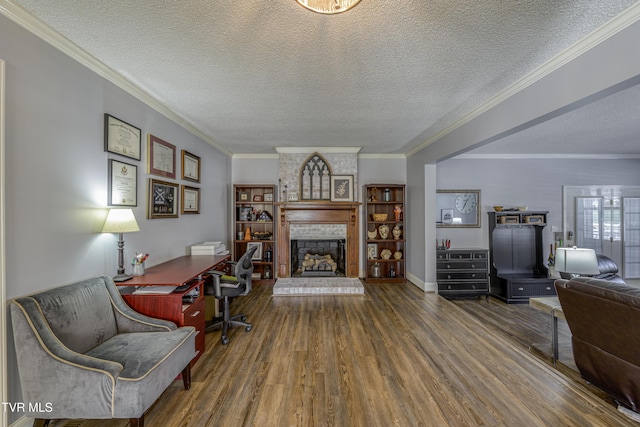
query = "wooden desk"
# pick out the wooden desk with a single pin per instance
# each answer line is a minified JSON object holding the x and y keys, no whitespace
{"x":550,"y":305}
{"x":187,"y":271}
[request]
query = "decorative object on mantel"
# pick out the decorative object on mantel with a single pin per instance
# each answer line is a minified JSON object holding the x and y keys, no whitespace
{"x":384,"y":231}
{"x":120,"y":221}
{"x":397,"y":255}
{"x":397,"y":232}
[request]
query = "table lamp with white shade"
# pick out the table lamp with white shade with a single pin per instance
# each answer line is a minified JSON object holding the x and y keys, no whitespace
{"x":572,"y":262}
{"x":120,"y":221}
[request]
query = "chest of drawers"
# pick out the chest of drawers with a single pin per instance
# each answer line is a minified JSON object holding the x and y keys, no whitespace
{"x":463,"y":273}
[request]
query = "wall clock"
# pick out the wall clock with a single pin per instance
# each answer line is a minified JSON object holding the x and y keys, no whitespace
{"x":466,"y":202}
{"x":458,"y":208}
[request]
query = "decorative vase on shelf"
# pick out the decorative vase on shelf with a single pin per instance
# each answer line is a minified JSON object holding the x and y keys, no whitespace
{"x":397,"y":232}
{"x":384,"y":231}
{"x":372,"y":234}
{"x":375,"y":270}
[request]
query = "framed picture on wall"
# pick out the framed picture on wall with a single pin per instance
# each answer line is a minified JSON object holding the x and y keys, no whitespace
{"x":122,"y":138}
{"x":123,"y":184}
{"x":190,"y":166}
{"x":163,"y":199}
{"x":190,"y":200}
{"x":342,"y":188}
{"x":161,"y":158}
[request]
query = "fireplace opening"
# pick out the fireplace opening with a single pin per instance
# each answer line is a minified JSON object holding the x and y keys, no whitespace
{"x":318,"y":257}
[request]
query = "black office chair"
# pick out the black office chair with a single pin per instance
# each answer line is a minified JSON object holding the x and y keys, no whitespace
{"x":226,"y":287}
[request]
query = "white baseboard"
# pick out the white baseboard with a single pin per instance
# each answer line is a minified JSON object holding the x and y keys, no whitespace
{"x":426,"y":287}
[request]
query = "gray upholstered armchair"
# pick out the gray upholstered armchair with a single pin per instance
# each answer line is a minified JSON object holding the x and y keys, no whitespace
{"x":82,"y":350}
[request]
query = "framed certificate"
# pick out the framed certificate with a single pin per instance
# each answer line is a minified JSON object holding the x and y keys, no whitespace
{"x":190,"y":200}
{"x":190,"y":166}
{"x":163,"y":199}
{"x":162,"y":158}
{"x":121,"y":137}
{"x":123,"y":184}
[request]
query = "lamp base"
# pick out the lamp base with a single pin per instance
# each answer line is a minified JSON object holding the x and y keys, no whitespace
{"x":122,"y":277}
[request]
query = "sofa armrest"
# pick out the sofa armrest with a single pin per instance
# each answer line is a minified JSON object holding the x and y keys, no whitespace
{"x":129,"y":320}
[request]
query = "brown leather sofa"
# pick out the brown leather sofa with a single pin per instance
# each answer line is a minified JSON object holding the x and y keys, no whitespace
{"x":604,"y":319}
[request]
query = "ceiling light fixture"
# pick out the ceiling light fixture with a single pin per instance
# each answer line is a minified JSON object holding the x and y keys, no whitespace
{"x":328,"y":7}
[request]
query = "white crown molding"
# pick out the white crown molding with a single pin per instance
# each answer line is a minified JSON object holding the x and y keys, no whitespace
{"x":545,"y":157}
{"x":614,"y":26}
{"x":322,"y":150}
{"x":255,"y":156}
{"x":382,"y":156}
{"x":38,"y":28}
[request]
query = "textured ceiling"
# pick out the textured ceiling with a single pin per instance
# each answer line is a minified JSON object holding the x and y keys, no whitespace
{"x":386,"y":76}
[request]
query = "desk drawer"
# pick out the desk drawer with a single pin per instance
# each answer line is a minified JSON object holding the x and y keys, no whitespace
{"x":464,"y":287}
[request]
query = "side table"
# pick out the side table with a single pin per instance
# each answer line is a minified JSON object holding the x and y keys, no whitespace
{"x":550,"y":305}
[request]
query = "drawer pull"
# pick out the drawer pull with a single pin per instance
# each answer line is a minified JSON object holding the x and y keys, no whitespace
{"x":473,"y":266}
{"x":195,"y":314}
{"x":473,"y":286}
{"x":448,"y":265}
{"x":548,"y":288}
{"x":449,"y":287}
{"x":473,"y":275}
{"x":521,"y":289}
{"x":448,"y":276}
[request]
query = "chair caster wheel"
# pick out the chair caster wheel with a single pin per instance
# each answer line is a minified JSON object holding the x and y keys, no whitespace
{"x":243,"y":318}
{"x":248,"y":328}
{"x":224,"y":340}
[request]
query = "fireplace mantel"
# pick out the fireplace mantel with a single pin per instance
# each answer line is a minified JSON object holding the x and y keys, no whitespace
{"x":317,"y":213}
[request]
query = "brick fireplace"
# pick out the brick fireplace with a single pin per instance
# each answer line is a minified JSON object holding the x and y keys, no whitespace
{"x":318,"y":214}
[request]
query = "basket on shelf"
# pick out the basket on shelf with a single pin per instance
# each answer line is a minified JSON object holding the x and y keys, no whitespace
{"x":379,"y":217}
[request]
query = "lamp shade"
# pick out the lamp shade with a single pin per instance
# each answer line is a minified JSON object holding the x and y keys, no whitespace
{"x":577,"y":261}
{"x":120,"y":221}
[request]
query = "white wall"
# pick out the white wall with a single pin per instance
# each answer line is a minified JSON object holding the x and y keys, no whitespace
{"x":56,"y":175}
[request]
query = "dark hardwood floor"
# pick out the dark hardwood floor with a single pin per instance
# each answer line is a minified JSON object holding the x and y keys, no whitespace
{"x":395,"y":356}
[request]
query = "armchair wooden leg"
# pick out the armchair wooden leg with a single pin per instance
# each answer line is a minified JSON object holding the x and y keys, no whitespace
{"x":136,"y":422}
{"x":186,"y":376}
{"x":40,"y":422}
